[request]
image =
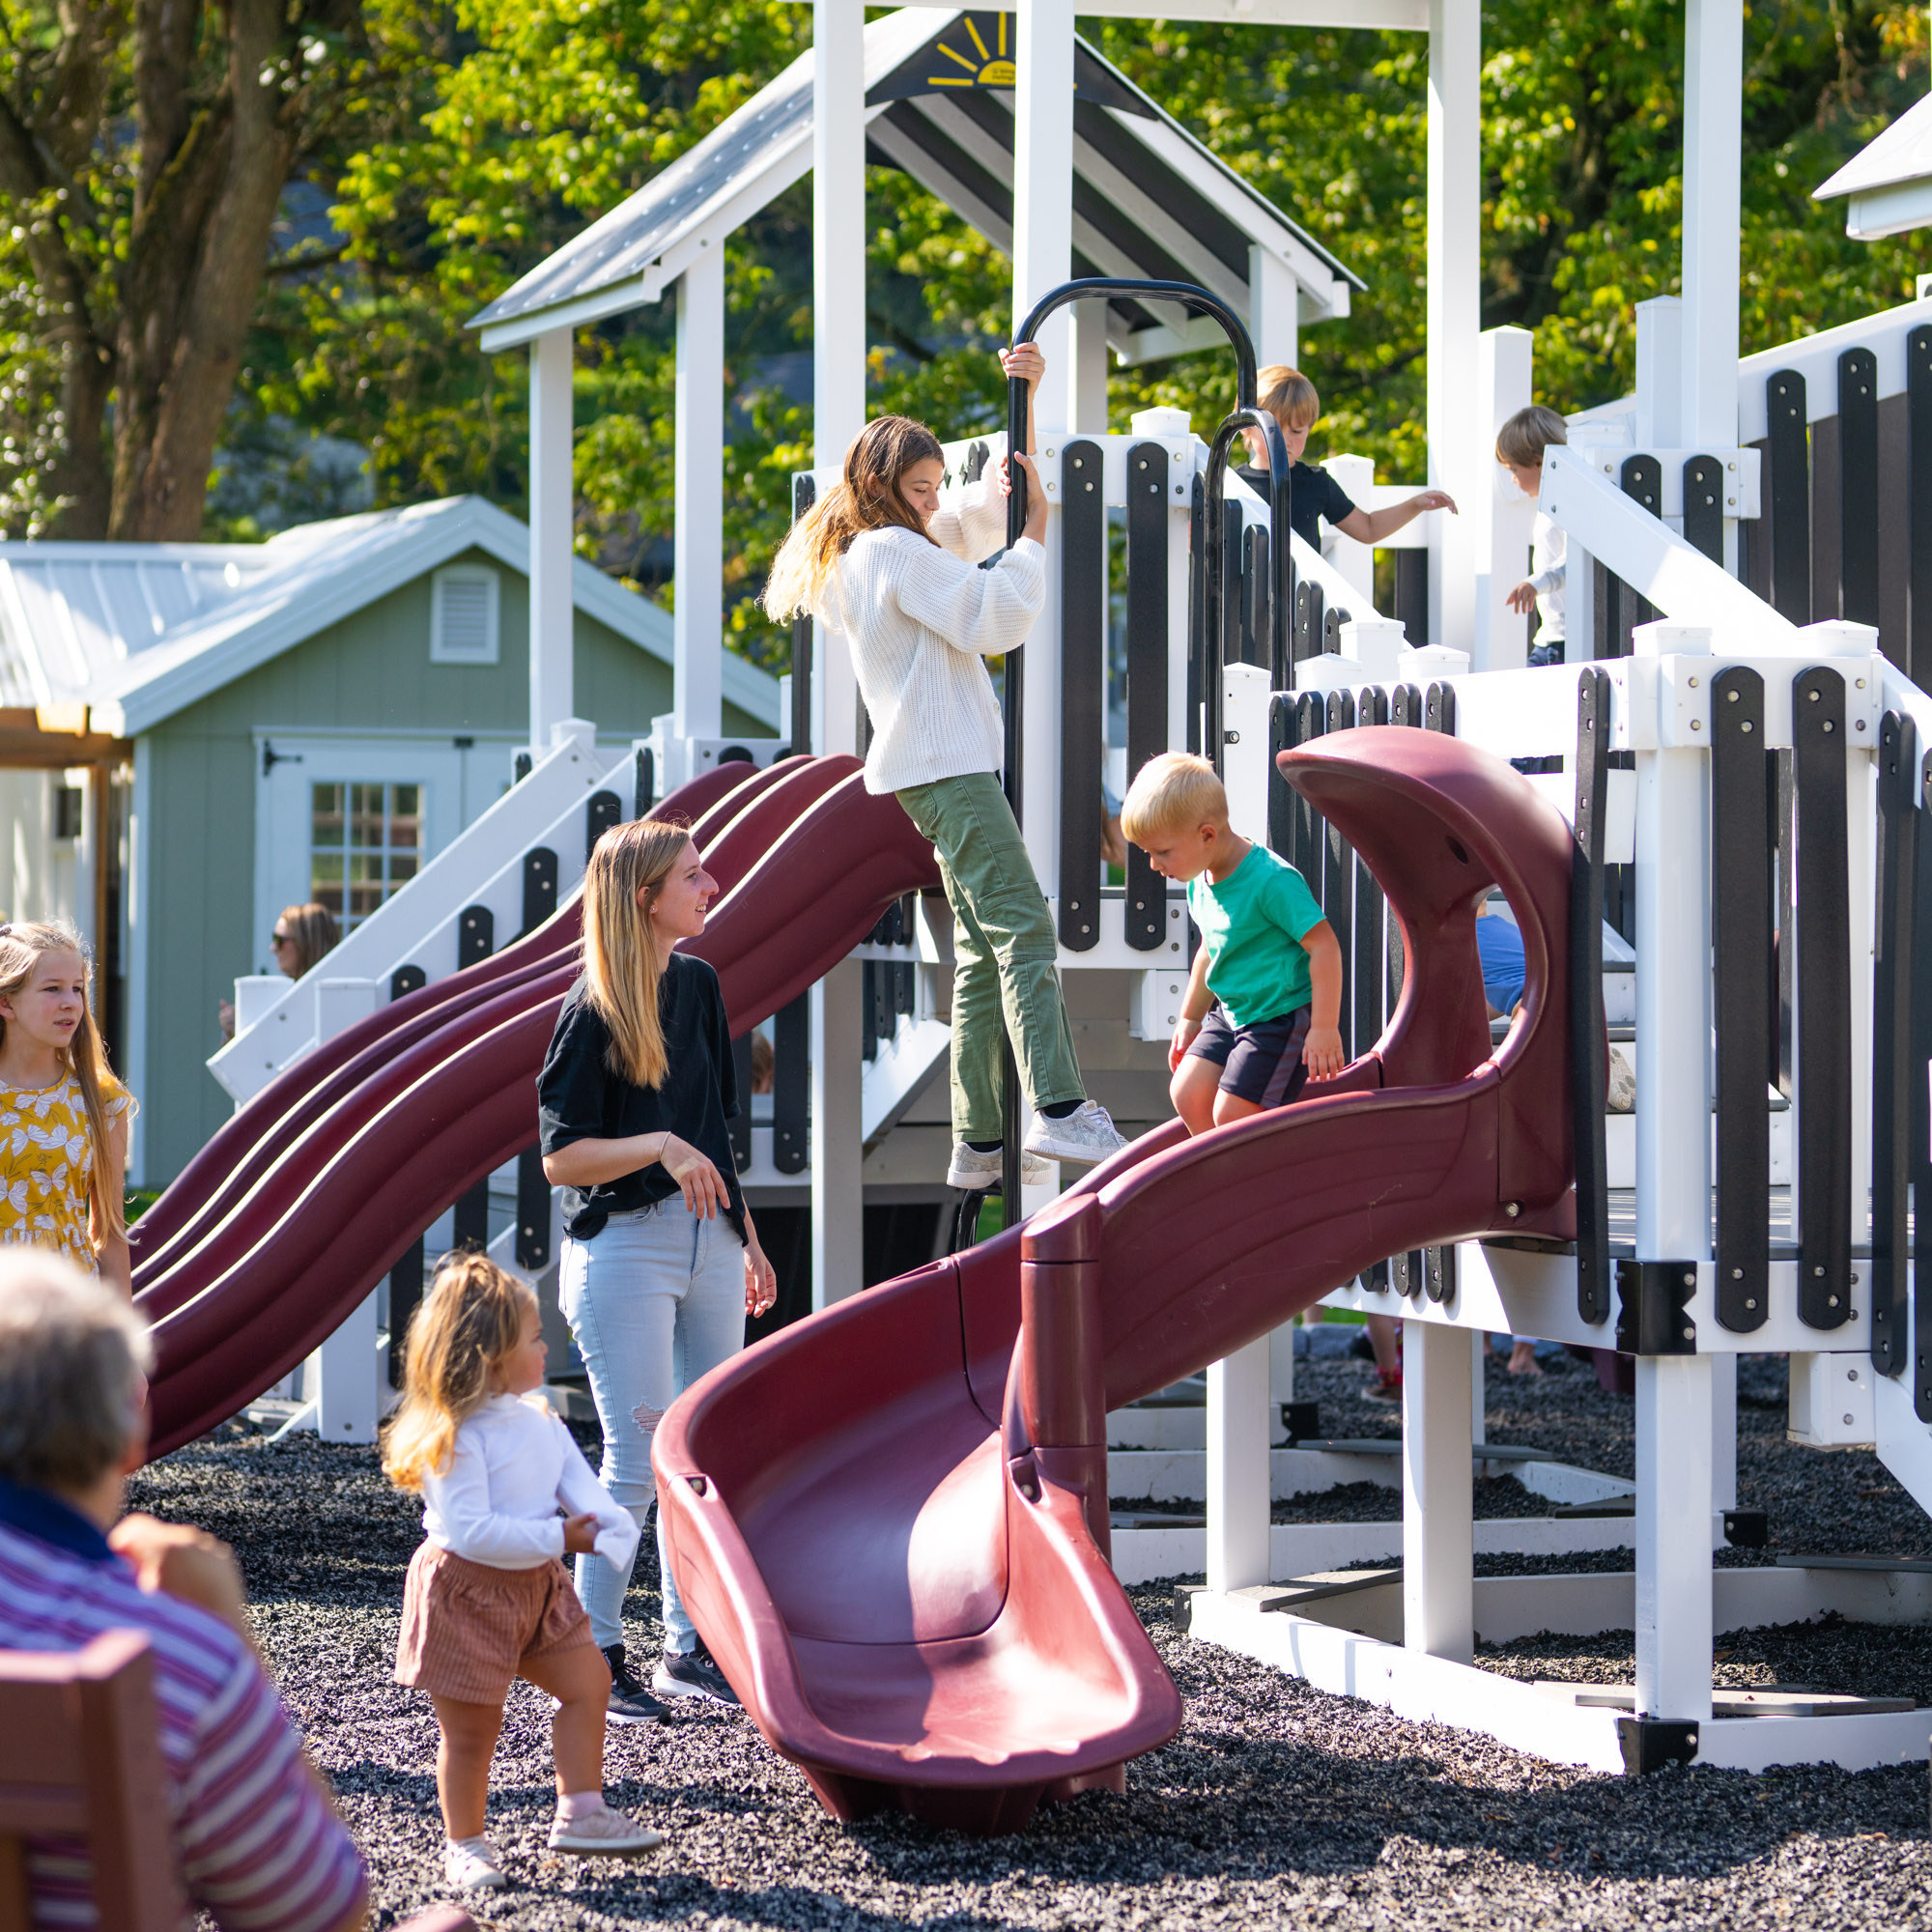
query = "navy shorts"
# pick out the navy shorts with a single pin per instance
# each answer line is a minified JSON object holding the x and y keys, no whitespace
{"x":1260,"y":1063}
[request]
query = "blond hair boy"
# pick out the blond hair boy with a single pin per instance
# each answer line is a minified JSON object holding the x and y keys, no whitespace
{"x":1291,"y":399}
{"x":1263,"y":1002}
{"x":1520,"y":446}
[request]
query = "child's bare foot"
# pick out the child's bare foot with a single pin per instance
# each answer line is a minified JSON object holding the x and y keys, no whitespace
{"x":1522,"y":1360}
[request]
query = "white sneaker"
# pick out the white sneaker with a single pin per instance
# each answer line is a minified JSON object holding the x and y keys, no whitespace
{"x":472,"y":1866}
{"x":974,"y":1172}
{"x":1086,"y":1135}
{"x":605,"y":1834}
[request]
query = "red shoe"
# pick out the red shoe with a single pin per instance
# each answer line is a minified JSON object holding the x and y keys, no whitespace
{"x":1388,"y":1386}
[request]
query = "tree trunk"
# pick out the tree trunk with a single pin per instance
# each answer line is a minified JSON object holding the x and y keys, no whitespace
{"x":210,"y":202}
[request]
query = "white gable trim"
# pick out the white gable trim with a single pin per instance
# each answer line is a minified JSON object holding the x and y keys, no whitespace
{"x":427,"y":537}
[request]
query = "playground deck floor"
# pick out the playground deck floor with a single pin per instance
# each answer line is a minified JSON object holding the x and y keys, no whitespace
{"x":1277,"y":1805}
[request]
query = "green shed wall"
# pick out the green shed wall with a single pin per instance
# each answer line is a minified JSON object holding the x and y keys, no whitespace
{"x":370,"y":671}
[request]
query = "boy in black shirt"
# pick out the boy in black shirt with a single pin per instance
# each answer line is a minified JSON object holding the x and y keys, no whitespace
{"x":1289,"y":396}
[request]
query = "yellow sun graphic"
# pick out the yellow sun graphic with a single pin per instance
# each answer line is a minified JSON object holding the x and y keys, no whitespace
{"x":992,"y":68}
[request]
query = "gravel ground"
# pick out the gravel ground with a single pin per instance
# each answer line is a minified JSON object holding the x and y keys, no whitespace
{"x":1275,"y":1806}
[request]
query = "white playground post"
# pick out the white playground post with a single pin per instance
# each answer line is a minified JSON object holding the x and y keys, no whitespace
{"x":698,"y":631}
{"x":838,"y":414}
{"x":1453,"y":305}
{"x":553,"y":611}
{"x":1437,"y":1500}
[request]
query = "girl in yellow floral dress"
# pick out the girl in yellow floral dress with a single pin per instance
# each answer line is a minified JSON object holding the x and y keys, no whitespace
{"x":64,"y":1117}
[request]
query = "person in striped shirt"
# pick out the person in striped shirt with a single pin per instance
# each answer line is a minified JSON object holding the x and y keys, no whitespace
{"x":258,"y":1844}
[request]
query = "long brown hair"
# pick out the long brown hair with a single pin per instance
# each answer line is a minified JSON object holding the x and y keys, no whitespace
{"x":621,"y":956}
{"x":470,"y":1319}
{"x":314,"y":930}
{"x":868,"y":499}
{"x":22,"y":945}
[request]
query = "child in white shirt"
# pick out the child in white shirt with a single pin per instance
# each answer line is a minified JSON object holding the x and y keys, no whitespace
{"x":1520,"y":446}
{"x":488,"y":1597}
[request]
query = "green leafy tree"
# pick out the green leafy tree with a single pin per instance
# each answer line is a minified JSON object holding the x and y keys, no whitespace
{"x":144,"y":150}
{"x":519,"y":124}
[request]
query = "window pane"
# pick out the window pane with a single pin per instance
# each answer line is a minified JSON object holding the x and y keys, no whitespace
{"x":365,"y":844}
{"x":326,"y":815}
{"x":324,"y":880}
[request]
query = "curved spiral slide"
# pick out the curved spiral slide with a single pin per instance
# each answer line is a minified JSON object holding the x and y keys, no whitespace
{"x":300,"y":1205}
{"x":889,"y":1521}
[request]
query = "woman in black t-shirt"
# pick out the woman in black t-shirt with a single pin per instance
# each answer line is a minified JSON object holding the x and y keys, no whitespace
{"x":660,"y":1263}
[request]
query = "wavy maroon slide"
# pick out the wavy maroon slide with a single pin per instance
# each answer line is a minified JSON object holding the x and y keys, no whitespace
{"x":889,"y":1521}
{"x":223,"y":1168}
{"x":293,"y":1222}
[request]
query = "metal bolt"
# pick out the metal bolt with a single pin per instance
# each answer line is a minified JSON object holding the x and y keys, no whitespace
{"x":1697,"y":723}
{"x":1859,"y":726}
{"x":1049,"y":452}
{"x":1748,"y":726}
{"x":1848,"y":1422}
{"x":1693,"y":684}
{"x":1690,"y":1333}
{"x":1812,"y":696}
{"x":1690,"y":1278}
{"x":1737,"y":1275}
{"x":1831,"y":1301}
{"x":1513,"y":1210}
{"x":1850,"y":1375}
{"x":1231,"y":738}
{"x":1861,"y":683}
{"x":1751,"y":1301}
{"x":1730,"y":697}
{"x":1817,"y":1270}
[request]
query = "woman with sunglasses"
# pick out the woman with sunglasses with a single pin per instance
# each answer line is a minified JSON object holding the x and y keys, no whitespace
{"x":302,"y":934}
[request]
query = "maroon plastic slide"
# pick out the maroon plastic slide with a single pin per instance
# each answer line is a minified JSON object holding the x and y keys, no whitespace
{"x":891,"y":1520}
{"x":293,"y":1217}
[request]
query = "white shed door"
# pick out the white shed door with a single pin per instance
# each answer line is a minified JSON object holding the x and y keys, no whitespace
{"x":347,"y":822}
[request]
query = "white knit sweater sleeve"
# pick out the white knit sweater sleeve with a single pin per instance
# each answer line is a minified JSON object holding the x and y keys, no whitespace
{"x":981,"y":611}
{"x":972,"y":523}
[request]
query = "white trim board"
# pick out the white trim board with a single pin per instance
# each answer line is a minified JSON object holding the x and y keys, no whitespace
{"x":1433,"y":1690}
{"x":1302,"y":1548}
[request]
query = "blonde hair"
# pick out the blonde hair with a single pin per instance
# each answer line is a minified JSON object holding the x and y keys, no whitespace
{"x":1287,"y":395}
{"x":23,"y":946}
{"x":471,"y":1322}
{"x":1172,"y":793}
{"x":314,"y":930}
{"x":620,"y":957}
{"x":1528,"y":434}
{"x":867,"y":497}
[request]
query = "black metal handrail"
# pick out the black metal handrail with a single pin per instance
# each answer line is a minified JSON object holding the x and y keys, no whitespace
{"x":1198,"y":301}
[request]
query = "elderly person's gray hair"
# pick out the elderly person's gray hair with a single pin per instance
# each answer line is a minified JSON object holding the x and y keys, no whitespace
{"x":72,"y":1353}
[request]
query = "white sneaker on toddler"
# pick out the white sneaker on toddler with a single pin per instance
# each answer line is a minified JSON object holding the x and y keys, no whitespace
{"x":469,"y":1865}
{"x":603,"y":1833}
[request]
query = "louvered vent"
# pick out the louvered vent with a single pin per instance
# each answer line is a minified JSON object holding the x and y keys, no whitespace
{"x":463,"y":625}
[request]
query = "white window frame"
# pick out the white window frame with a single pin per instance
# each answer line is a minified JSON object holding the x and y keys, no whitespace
{"x":439,"y":652}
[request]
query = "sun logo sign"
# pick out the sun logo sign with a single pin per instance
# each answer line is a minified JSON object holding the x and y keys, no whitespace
{"x":993,"y":65}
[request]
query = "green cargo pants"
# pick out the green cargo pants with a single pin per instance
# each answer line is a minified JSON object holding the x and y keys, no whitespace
{"x":1002,"y":949}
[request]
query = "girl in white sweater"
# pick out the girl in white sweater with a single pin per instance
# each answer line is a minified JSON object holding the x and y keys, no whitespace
{"x":880,"y":560}
{"x":488,"y":1597}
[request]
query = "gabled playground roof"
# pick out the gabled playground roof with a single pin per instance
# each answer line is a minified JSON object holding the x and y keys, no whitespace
{"x":1890,"y":180}
{"x":1150,"y":200}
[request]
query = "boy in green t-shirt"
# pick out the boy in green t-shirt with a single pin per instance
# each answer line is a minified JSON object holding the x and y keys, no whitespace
{"x":1264,"y":995}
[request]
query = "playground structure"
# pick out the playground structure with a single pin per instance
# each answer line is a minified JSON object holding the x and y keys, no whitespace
{"x":908,"y":1581}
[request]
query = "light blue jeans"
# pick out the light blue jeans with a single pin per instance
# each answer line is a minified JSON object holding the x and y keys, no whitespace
{"x":656,"y":1299}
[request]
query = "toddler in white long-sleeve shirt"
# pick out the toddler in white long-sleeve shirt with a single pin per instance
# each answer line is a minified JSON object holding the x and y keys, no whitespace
{"x":488,"y":1597}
